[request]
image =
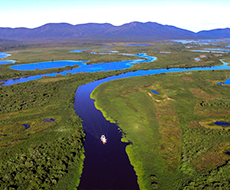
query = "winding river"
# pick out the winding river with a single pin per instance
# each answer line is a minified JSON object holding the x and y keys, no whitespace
{"x":107,"y":166}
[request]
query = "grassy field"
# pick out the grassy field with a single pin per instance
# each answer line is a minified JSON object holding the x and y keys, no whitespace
{"x":174,"y":143}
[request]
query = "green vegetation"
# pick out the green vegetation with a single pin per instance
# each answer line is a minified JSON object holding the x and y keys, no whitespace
{"x":179,"y":56}
{"x":171,"y":147}
{"x":49,"y":155}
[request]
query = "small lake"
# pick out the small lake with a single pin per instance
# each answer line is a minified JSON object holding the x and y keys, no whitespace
{"x":3,"y":62}
{"x":197,"y":59}
{"x":27,"y":126}
{"x":155,"y":92}
{"x":79,"y":50}
{"x":115,"y":172}
{"x":47,"y":65}
{"x":222,"y":123}
{"x":4,"y":55}
{"x":111,"y":66}
{"x":223,"y":50}
{"x":227,"y":82}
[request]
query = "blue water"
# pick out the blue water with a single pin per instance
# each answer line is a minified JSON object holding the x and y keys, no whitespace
{"x":196,"y":59}
{"x":228,"y":153}
{"x":153,"y":91}
{"x":206,"y":51}
{"x":49,"y":120}
{"x":94,"y":125}
{"x":7,"y":62}
{"x":84,"y":67}
{"x":222,"y":123}
{"x":106,"y":47}
{"x":227,"y":50}
{"x":79,"y":50}
{"x":164,"y":52}
{"x":115,"y":66}
{"x":227,"y":46}
{"x":27,"y":126}
{"x":47,"y":65}
{"x":111,"y":66}
{"x":4,"y":55}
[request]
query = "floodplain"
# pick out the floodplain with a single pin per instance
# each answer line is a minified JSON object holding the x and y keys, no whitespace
{"x":50,"y":155}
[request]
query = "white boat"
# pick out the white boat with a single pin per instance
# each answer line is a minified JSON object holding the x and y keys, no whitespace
{"x":103,"y":139}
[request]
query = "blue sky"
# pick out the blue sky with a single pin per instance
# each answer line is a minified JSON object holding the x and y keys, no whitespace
{"x":193,"y":15}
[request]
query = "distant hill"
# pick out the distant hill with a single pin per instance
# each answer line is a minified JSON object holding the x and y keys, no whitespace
{"x":94,"y":31}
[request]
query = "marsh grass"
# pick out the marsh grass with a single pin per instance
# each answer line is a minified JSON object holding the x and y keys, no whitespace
{"x":168,"y":138}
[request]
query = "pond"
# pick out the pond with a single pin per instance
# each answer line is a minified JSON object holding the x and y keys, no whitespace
{"x":79,"y":50}
{"x":199,"y":42}
{"x":155,"y":92}
{"x":115,"y":66}
{"x":223,"y":50}
{"x":222,"y":123}
{"x":4,"y":55}
{"x":3,"y":62}
{"x":49,"y":120}
{"x":47,"y":65}
{"x":227,"y":82}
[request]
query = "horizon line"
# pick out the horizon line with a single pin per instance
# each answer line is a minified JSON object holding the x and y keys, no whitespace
{"x":110,"y":24}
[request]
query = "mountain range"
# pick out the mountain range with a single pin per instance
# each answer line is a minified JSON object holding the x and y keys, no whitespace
{"x":94,"y":31}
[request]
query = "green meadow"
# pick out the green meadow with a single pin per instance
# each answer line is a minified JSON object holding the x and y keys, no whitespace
{"x":175,"y":144}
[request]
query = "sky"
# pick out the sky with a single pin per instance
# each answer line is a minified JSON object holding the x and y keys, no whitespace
{"x":194,"y":15}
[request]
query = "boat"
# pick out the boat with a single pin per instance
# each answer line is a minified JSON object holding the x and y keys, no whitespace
{"x":103,"y":139}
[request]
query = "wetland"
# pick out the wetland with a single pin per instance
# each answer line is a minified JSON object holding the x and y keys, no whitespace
{"x":171,"y":133}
